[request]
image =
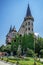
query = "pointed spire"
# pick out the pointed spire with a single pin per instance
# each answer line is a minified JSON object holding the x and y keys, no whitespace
{"x":14,"y":29}
{"x":28,"y":12}
{"x":10,"y":28}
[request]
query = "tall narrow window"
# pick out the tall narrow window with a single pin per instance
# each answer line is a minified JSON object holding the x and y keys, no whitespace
{"x":32,"y":29}
{"x":32,"y":24}
{"x":14,"y":40}
{"x":23,"y":26}
{"x":28,"y":23}
{"x":28,"y":28}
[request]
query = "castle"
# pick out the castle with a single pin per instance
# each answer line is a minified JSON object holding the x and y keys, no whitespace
{"x":26,"y":27}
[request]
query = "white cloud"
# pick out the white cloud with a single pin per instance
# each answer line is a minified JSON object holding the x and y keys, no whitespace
{"x":36,"y":34}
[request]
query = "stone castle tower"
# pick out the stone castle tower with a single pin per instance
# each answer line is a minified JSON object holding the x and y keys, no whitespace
{"x":27,"y":25}
{"x":11,"y":34}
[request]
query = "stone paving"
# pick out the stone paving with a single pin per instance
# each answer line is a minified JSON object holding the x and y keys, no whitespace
{"x":4,"y":63}
{"x":41,"y":59}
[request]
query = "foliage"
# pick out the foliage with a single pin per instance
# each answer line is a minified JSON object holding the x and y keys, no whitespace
{"x":38,"y":45}
{"x":2,"y":48}
{"x":30,"y":53}
{"x":41,"y":52}
{"x":23,"y":61}
{"x":26,"y":41}
{"x":8,"y":48}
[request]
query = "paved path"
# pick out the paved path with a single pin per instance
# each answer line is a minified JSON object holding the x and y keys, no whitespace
{"x":41,"y":59}
{"x":4,"y":63}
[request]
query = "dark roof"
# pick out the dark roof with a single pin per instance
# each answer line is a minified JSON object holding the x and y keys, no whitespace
{"x":28,"y":12}
{"x":14,"y":29}
{"x":10,"y":28}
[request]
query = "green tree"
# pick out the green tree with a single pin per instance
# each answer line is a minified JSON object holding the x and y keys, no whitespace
{"x":27,"y":42}
{"x":38,"y":45}
{"x":30,"y":52}
{"x":41,"y":53}
{"x":2,"y":48}
{"x":8,"y":48}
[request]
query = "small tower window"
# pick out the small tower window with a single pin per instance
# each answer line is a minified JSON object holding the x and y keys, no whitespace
{"x":32,"y":29}
{"x":14,"y":40}
{"x":23,"y":26}
{"x":20,"y":41}
{"x":28,"y":23}
{"x":28,"y":28}
{"x":20,"y":35}
{"x":32,"y":24}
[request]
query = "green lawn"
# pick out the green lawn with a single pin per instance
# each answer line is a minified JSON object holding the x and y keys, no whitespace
{"x":26,"y":61}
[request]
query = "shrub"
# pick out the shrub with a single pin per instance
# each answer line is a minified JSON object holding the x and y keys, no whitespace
{"x":30,"y":53}
{"x":41,"y":53}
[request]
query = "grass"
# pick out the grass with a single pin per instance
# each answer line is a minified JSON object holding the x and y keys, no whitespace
{"x":25,"y":61}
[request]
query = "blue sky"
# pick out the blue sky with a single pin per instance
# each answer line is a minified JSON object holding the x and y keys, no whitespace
{"x":12,"y":12}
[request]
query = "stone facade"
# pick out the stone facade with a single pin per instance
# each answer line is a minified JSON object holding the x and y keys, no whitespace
{"x":26,"y":27}
{"x":11,"y":34}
